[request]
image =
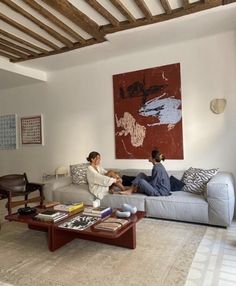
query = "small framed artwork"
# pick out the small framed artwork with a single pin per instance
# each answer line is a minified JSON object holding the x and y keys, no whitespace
{"x":31,"y":130}
{"x":8,"y":131}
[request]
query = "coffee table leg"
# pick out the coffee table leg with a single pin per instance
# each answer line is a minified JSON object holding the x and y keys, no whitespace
{"x":58,"y":238}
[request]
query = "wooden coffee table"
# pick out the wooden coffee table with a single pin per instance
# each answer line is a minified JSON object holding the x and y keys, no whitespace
{"x":57,"y":237}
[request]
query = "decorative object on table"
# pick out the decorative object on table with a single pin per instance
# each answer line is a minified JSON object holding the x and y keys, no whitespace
{"x":79,"y":173}
{"x":96,"y":203}
{"x":176,"y":185}
{"x":123,"y":213}
{"x":26,"y":211}
{"x":195,"y":179}
{"x":31,"y":130}
{"x":218,"y":105}
{"x":111,"y":224}
{"x":61,"y":172}
{"x":16,"y":185}
{"x":147,"y":112}
{"x":70,"y":207}
{"x":97,"y":212}
{"x":129,"y":208}
{"x":51,"y":216}
{"x":79,"y":222}
{"x":8,"y":131}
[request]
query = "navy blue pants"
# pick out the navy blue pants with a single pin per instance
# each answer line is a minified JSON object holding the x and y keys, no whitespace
{"x":143,"y":186}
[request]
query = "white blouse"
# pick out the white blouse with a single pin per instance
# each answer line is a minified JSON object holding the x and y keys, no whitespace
{"x":99,"y":183}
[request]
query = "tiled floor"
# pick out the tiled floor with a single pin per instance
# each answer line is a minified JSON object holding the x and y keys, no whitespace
{"x":215,"y":261}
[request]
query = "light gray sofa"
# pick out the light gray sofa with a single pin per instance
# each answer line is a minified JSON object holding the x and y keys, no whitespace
{"x":216,"y":207}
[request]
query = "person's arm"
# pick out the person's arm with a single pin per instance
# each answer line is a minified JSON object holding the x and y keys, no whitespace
{"x":154,"y":176}
{"x":99,"y":179}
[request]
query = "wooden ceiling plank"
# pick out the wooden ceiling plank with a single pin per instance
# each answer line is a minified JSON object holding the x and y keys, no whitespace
{"x":193,"y":8}
{"x":79,"y":18}
{"x":48,"y":15}
{"x":13,"y":51}
{"x":144,"y":8}
{"x":28,"y":32}
{"x":43,"y":26}
{"x":104,"y":12}
{"x":10,"y":44}
{"x":23,"y":42}
{"x":225,"y":2}
{"x":166,"y":6}
{"x":9,"y":56}
{"x":124,"y":11}
{"x":62,"y":50}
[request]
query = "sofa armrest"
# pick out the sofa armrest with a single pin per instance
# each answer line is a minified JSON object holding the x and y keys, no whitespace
{"x":54,"y":184}
{"x":221,"y":199}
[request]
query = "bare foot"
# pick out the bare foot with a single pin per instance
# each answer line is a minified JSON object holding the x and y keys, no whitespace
{"x":126,"y":192}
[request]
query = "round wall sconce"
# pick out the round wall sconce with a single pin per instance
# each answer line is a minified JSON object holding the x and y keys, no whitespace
{"x":218,"y":105}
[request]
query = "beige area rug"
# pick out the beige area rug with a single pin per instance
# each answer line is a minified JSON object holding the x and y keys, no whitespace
{"x":163,"y":256}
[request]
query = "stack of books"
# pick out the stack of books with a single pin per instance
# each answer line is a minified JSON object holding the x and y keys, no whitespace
{"x":111,"y":224}
{"x":100,"y":212}
{"x":69,"y":207}
{"x":51,"y":216}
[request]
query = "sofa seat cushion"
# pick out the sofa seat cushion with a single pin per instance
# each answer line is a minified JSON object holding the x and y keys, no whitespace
{"x":116,"y":201}
{"x":74,"y":193}
{"x":179,"y":206}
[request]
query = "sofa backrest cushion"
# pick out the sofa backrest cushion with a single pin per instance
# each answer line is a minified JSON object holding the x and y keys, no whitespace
{"x":196,"y":179}
{"x":79,"y":173}
{"x":175,"y":184}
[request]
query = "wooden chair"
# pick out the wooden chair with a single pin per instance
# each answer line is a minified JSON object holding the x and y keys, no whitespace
{"x":18,"y":185}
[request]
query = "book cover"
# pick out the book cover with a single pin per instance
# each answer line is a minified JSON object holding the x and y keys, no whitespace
{"x":69,"y":207}
{"x":101,"y":215}
{"x":111,"y":224}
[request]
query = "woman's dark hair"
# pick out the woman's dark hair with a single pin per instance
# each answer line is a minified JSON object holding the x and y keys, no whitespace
{"x":92,"y":155}
{"x":157,"y":156}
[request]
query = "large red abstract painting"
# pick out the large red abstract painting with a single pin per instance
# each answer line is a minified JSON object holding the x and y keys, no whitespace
{"x":148,"y":113}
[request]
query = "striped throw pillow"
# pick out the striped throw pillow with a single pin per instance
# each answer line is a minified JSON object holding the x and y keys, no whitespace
{"x":196,"y":179}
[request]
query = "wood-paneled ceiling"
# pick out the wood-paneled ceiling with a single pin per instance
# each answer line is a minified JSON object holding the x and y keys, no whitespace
{"x":32,"y":29}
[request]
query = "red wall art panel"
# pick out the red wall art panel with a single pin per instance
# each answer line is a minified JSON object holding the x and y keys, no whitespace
{"x":147,"y":110}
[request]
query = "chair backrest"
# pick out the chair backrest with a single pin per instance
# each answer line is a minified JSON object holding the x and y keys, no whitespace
{"x":16,"y":182}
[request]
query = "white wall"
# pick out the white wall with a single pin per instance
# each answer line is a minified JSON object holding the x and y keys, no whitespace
{"x":77,"y":105}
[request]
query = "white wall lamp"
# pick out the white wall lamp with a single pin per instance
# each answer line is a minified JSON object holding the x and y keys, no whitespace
{"x":217,"y":105}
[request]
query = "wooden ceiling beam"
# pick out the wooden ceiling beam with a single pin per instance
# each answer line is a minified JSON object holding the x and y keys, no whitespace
{"x":76,"y":16}
{"x":62,"y":50}
{"x":12,"y":45}
{"x":123,"y":10}
{"x":9,"y":56}
{"x":28,"y":32}
{"x":144,"y":8}
{"x":185,"y":4}
{"x":44,"y":27}
{"x":166,"y":6}
{"x":48,"y":15}
{"x":193,"y":8}
{"x":13,"y":51}
{"x":101,"y":10}
{"x":225,"y":2}
{"x":23,"y":42}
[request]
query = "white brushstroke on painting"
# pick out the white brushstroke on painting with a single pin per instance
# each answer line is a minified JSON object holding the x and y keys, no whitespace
{"x":163,"y":76}
{"x":130,"y":126}
{"x":166,"y":110}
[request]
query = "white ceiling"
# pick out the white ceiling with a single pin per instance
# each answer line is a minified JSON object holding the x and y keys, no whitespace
{"x":212,"y":21}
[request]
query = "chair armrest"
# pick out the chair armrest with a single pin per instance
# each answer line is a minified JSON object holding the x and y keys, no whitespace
{"x":30,"y":187}
{"x":221,"y":199}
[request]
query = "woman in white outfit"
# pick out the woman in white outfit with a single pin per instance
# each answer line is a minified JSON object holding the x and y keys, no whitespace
{"x":101,"y":181}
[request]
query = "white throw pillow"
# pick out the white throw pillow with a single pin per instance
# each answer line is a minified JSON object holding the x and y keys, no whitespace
{"x":79,"y":173}
{"x":196,"y":179}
